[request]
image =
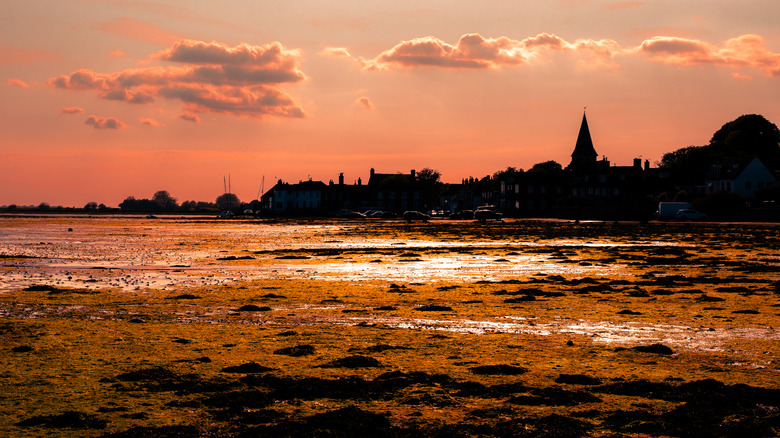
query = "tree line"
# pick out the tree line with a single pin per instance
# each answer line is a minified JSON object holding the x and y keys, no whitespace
{"x":162,"y":201}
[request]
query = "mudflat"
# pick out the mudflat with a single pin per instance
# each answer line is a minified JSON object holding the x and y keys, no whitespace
{"x":125,"y":326}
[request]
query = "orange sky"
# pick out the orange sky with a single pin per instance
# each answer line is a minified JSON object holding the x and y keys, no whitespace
{"x":112,"y":98}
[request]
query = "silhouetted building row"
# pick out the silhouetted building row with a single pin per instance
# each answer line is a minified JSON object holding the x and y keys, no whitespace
{"x":587,"y":187}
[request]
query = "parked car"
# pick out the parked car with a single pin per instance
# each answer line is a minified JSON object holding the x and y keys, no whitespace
{"x":485,"y":213}
{"x":349,"y":214}
{"x":463,"y":214}
{"x":410,"y":216}
{"x":689,"y":214}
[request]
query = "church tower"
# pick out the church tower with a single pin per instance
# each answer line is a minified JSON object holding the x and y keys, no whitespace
{"x":584,"y":153}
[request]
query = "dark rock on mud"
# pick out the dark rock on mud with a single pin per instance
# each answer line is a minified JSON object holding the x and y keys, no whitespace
{"x":654,"y":348}
{"x":386,"y":308}
{"x":184,"y":297}
{"x":355,"y":361}
{"x":506,"y":370}
{"x":249,"y":367}
{"x":288,"y":333}
{"x":112,"y":409}
{"x":253,"y":308}
{"x":66,"y":420}
{"x":246,"y":257}
{"x":710,"y":408}
{"x":271,"y":296}
{"x":394,"y":288}
{"x":22,"y":349}
{"x":433,"y":308}
{"x":182,"y":341}
{"x":629,"y":312}
{"x":293,"y":257}
{"x":296,"y":351}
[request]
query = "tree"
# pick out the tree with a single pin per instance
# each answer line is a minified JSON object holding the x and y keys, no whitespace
{"x":428,"y":176}
{"x":550,"y":167}
{"x":228,"y":201}
{"x":748,"y":136}
{"x":745,"y":137}
{"x":44,"y":206}
{"x":690,"y":164}
{"x":91,"y":206}
{"x":430,"y":182}
{"x":508,"y":172}
{"x":165,"y":201}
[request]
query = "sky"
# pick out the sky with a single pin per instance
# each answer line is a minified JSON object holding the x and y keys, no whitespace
{"x":105,"y":99}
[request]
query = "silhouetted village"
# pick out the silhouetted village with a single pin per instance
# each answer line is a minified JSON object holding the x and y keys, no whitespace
{"x":734,"y":177}
{"x":589,"y":187}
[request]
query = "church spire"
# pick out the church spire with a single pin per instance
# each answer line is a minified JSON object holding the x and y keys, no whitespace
{"x":583,"y":151}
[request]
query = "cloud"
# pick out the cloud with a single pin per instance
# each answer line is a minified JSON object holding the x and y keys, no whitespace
{"x":743,"y":51}
{"x":365,"y":103}
{"x":71,"y":110}
{"x":473,"y":51}
{"x":736,"y":75}
{"x":17,"y":83}
{"x":104,"y":122}
{"x":241,"y":80}
{"x":190,"y":117}
{"x":150,"y":122}
{"x":117,"y":53}
{"x":335,"y":52}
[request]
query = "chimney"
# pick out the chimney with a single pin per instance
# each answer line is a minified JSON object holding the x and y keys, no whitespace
{"x":413,"y":173}
{"x":372,"y":171}
{"x":341,"y":179}
{"x":360,"y":182}
{"x":638,"y":163}
{"x":647,"y":164}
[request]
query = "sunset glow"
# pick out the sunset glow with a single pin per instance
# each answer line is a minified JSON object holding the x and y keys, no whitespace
{"x":104,"y":100}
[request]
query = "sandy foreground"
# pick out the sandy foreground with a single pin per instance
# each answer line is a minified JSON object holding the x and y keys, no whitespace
{"x":126,"y":326}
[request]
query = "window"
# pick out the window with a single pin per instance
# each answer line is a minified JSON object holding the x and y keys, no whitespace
{"x":602,"y":178}
{"x":530,"y":189}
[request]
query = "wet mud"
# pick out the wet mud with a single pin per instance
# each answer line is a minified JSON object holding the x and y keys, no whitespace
{"x":145,"y":328}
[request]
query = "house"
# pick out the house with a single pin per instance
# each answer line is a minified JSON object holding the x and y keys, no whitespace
{"x":396,"y":192}
{"x":743,"y":177}
{"x":305,"y":196}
